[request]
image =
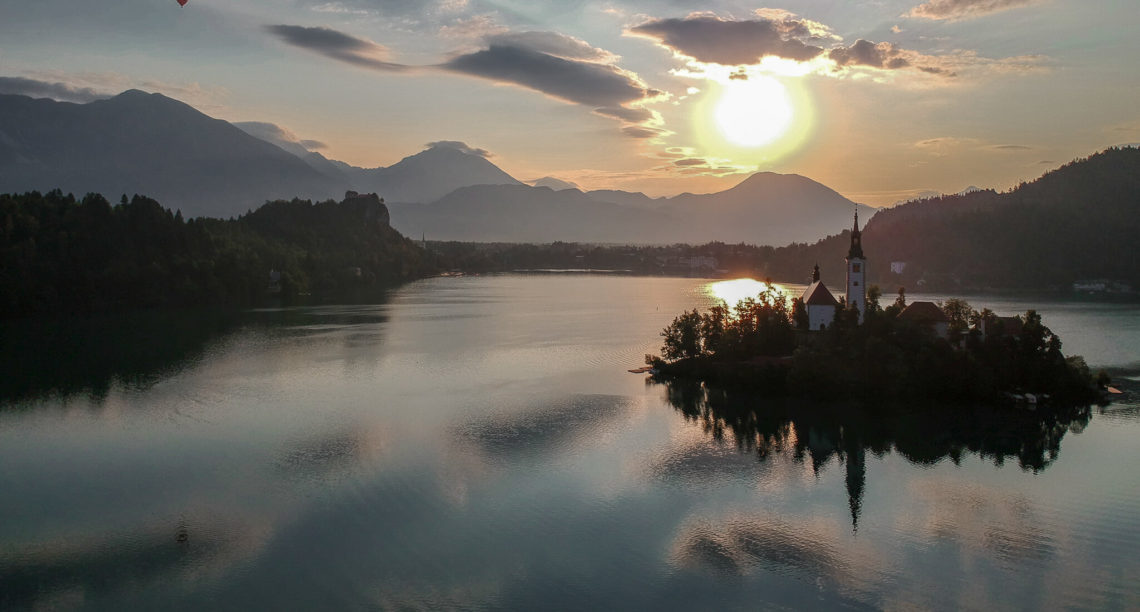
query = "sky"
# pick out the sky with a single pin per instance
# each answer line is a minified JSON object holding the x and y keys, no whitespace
{"x":880,"y":100}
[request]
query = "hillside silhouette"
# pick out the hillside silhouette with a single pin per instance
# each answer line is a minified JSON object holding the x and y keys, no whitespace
{"x":1077,"y":222}
{"x":63,"y":255}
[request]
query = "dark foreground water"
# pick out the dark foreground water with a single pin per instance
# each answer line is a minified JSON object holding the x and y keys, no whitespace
{"x":476,"y":443}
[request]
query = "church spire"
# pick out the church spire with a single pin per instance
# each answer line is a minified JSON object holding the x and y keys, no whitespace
{"x":856,"y":250}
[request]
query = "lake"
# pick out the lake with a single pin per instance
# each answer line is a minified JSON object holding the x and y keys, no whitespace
{"x":477,"y":443}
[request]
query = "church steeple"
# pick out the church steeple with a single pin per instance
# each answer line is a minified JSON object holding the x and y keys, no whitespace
{"x":856,"y":249}
{"x":856,"y":272}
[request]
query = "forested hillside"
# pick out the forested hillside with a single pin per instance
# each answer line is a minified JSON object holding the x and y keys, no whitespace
{"x":62,"y":255}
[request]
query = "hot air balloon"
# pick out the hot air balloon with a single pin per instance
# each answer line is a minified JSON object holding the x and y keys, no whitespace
{"x":182,"y":2}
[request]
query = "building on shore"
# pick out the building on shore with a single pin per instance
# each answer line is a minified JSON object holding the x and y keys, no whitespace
{"x":818,"y":300}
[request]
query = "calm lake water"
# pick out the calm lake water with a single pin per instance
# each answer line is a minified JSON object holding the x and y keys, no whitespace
{"x":476,"y":443}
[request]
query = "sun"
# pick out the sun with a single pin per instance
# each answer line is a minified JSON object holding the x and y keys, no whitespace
{"x":754,"y":112}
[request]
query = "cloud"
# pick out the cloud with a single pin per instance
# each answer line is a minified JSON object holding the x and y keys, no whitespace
{"x":867,"y":53}
{"x":458,"y":146}
{"x":885,"y":56}
{"x":800,"y":46}
{"x":282,"y":137}
{"x":1011,"y":147}
{"x":587,"y":83}
{"x":632,"y":115}
{"x":956,"y":10}
{"x":641,"y":131}
{"x":63,"y":92}
{"x":560,"y":66}
{"x":944,"y":141}
{"x":553,"y":43}
{"x":85,"y":87}
{"x":690,"y":161}
{"x":265,"y":130}
{"x":710,"y":39}
{"x":565,"y":68}
{"x":337,"y":45}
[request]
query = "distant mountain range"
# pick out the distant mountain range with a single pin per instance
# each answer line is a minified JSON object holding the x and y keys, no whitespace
{"x":766,"y":208}
{"x":150,"y":144}
{"x":147,"y":144}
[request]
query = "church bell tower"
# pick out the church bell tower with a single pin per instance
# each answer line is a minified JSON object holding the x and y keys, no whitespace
{"x":857,"y":271}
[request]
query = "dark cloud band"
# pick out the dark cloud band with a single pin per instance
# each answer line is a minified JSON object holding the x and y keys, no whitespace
{"x":337,"y":45}
{"x":43,"y":89}
{"x":554,"y":64}
{"x":587,"y":83}
{"x":714,"y":40}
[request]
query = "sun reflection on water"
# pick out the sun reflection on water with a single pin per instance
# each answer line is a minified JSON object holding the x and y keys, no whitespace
{"x":732,"y":291}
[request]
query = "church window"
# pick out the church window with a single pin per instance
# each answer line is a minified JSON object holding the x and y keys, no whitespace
{"x":856,"y":267}
{"x":855,"y":284}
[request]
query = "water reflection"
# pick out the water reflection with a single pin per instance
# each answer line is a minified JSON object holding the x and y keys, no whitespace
{"x":88,"y":356}
{"x":732,"y":291}
{"x":71,"y":573}
{"x":542,"y":430}
{"x":923,"y":434}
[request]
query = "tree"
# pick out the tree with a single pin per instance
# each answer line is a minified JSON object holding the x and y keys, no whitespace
{"x":800,"y":314}
{"x":873,"y":295}
{"x":683,"y":336}
{"x":959,"y":312}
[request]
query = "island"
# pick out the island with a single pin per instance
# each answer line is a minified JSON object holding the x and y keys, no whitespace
{"x":819,"y":346}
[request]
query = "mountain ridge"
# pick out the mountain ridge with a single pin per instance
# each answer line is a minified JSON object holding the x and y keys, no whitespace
{"x":138,"y":142}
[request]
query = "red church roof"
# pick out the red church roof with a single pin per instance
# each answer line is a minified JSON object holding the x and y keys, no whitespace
{"x":817,"y":295}
{"x":924,"y":312}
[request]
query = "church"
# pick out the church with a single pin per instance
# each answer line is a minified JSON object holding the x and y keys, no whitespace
{"x":817,"y":299}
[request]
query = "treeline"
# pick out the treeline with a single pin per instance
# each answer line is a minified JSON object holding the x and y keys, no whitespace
{"x":764,"y":344}
{"x":63,"y":255}
{"x":784,"y":263}
{"x":1074,"y":223}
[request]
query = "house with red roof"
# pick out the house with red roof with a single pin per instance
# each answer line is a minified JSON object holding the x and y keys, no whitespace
{"x":819,"y":302}
{"x":928,"y":315}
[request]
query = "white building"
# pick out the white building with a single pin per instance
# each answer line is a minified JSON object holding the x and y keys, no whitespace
{"x":819,"y":302}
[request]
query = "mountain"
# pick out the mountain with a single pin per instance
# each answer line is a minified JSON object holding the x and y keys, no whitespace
{"x":147,"y":143}
{"x":521,"y":213}
{"x":556,"y":184}
{"x":1077,"y":222}
{"x":430,"y":175}
{"x":150,"y":144}
{"x":766,"y":208}
{"x":625,"y":198}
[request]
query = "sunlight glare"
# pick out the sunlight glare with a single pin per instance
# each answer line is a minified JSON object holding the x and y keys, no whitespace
{"x":732,"y":291}
{"x":754,"y":112}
